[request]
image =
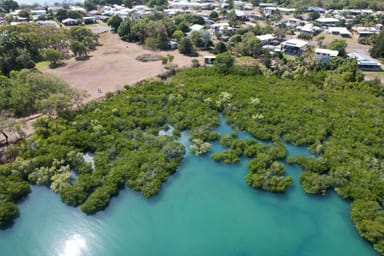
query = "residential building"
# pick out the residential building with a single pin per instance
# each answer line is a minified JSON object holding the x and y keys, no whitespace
{"x":325,"y":54}
{"x":365,"y":62}
{"x":294,"y":46}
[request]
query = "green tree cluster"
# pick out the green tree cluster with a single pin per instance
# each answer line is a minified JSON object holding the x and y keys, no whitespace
{"x":157,"y":30}
{"x":377,"y":50}
{"x":27,"y":92}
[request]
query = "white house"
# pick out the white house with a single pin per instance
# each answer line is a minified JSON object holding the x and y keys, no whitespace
{"x":209,"y":60}
{"x":309,"y":29}
{"x":293,"y":22}
{"x":266,"y":39}
{"x":220,"y":27}
{"x":196,"y":27}
{"x":268,"y":11}
{"x":294,"y":46}
{"x":365,"y":62}
{"x":70,"y":22}
{"x":327,"y":22}
{"x":48,"y":23}
{"x":184,"y":5}
{"x":343,"y":31}
{"x":363,"y":33}
{"x":325,"y":54}
{"x":286,"y":10}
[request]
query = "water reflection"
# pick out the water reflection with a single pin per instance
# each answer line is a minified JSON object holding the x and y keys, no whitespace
{"x":74,"y":246}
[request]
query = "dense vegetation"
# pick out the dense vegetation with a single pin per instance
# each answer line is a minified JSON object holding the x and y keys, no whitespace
{"x":377,"y":50}
{"x":342,"y":123}
{"x":25,"y":44}
{"x":157,"y":30}
{"x":265,"y":171}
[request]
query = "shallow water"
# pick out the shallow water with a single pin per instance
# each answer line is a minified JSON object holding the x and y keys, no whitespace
{"x":206,"y":208}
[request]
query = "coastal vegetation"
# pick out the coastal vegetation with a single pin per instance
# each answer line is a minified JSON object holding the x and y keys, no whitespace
{"x":342,"y":123}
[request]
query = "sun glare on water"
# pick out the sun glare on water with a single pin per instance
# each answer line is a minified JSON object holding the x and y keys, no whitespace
{"x":74,"y":246}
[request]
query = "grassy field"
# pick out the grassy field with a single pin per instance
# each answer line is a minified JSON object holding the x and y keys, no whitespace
{"x":42,"y":64}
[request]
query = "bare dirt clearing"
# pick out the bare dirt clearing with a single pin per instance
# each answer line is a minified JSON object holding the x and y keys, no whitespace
{"x":114,"y":65}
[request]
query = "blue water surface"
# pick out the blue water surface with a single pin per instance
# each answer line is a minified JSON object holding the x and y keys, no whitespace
{"x":206,"y":208}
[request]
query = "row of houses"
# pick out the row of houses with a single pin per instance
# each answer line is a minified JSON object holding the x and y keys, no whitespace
{"x":297,"y":47}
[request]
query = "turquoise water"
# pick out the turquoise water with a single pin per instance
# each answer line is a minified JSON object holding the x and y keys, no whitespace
{"x":206,"y":208}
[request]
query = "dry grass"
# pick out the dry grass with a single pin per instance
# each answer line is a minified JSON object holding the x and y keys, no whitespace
{"x":114,"y":65}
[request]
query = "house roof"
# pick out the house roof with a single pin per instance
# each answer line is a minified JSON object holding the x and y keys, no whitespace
{"x":266,"y":37}
{"x":309,"y":28}
{"x":68,"y":20}
{"x":326,"y":52}
{"x":196,"y":27}
{"x":281,"y":9}
{"x":239,"y":13}
{"x":295,"y":43}
{"x":327,"y":20}
{"x":340,"y":30}
{"x":364,"y":60}
{"x":315,"y":9}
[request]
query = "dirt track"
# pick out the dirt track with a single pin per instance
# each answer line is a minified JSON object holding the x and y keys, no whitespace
{"x":114,"y":65}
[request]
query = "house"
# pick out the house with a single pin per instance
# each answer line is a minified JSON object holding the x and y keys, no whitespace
{"x":325,"y":54}
{"x":315,"y":9}
{"x":363,"y":33}
{"x":327,"y":22}
{"x":36,"y":14}
{"x":70,"y":22}
{"x":286,"y":10}
{"x":365,"y":62}
{"x":268,"y":11}
{"x":77,"y":9}
{"x":89,"y":20}
{"x":184,"y":5}
{"x":342,"y":31}
{"x":357,"y":11}
{"x":172,"y":45}
{"x":240,"y":15}
{"x":266,"y":39}
{"x":196,"y":27}
{"x":238,"y":4}
{"x":264,"y":5}
{"x":48,"y":23}
{"x":309,"y":29}
{"x":221,"y":27}
{"x":294,"y":46}
{"x":248,"y":6}
{"x":293,"y":22}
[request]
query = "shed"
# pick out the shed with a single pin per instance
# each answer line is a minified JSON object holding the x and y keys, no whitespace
{"x":209,"y":60}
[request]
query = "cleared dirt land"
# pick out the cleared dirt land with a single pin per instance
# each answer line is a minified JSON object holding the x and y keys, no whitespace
{"x":112,"y":65}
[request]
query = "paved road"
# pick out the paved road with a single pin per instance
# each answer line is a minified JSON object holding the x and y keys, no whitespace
{"x":362,"y":49}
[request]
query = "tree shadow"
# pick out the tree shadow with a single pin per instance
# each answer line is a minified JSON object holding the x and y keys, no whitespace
{"x":57,"y":65}
{"x":83,"y":58}
{"x":9,"y":225}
